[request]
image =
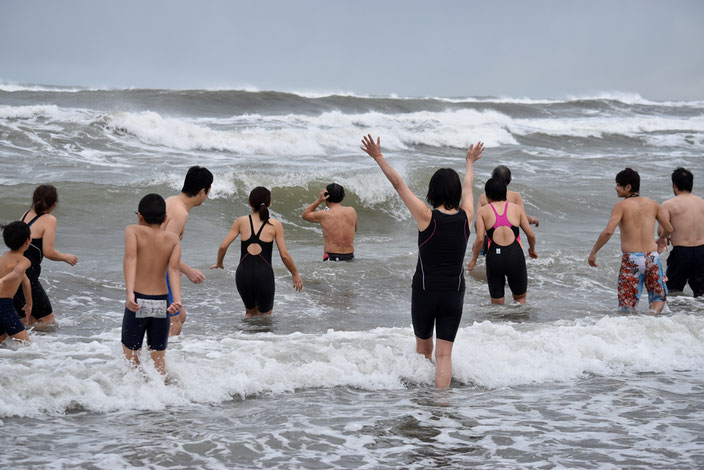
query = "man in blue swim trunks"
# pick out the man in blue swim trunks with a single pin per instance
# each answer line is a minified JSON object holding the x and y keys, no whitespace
{"x":640,"y":264}
{"x":149,"y":253}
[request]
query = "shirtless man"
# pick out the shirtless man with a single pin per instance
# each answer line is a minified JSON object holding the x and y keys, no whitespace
{"x":685,"y":212}
{"x":149,"y":253}
{"x":13,"y":265}
{"x":503,"y":173}
{"x":194,"y":192}
{"x":640,"y":264}
{"x":339,"y":223}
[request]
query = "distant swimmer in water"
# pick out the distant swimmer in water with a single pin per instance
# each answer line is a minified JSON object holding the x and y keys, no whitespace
{"x":504,"y":257}
{"x":255,"y":275}
{"x":196,"y":188}
{"x":685,"y":211}
{"x":438,"y":284}
{"x":149,"y":253}
{"x":640,"y":263}
{"x":43,"y":227}
{"x":339,"y":223}
{"x":13,"y":266}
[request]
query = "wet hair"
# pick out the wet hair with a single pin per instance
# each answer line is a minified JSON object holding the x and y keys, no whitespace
{"x":15,"y":234}
{"x":197,"y":178}
{"x":336,"y":192}
{"x":503,"y":173}
{"x":628,"y":176}
{"x":259,"y":199}
{"x":683,"y":179}
{"x":445,"y":189}
{"x":495,"y":189}
{"x":43,"y":198}
{"x":152,"y":208}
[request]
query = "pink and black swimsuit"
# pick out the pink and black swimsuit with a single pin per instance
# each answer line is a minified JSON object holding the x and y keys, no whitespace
{"x":505,"y":262}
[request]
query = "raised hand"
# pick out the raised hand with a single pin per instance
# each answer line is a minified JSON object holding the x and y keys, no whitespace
{"x":323,"y":195}
{"x":372,"y":148}
{"x":475,"y":152}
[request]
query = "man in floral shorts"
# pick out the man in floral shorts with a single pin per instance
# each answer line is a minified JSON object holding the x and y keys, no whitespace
{"x":640,"y":264}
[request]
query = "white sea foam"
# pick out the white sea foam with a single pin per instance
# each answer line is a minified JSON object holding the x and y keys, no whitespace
{"x":58,"y":373}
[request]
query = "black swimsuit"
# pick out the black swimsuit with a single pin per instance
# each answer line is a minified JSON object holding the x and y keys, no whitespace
{"x":438,"y":284}
{"x":255,"y":276}
{"x":41,"y":306}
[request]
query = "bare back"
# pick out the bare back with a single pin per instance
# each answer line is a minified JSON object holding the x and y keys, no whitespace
{"x":339,"y":224}
{"x":11,"y":261}
{"x":502,"y":235}
{"x":637,"y":224}
{"x":176,"y":216}
{"x":686,"y":213}
{"x":155,"y":249}
{"x":511,"y":196}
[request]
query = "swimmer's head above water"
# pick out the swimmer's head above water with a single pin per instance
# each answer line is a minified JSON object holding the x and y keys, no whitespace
{"x":152,"y":208}
{"x":503,"y":173}
{"x":495,"y":189}
{"x":335,"y":192}
{"x":44,"y":199}
{"x":260,"y":200}
{"x":15,"y":235}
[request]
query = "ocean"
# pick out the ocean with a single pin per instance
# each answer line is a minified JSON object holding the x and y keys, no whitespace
{"x":332,"y":379}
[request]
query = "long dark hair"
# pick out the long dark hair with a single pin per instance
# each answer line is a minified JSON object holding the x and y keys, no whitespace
{"x":43,"y":198}
{"x":259,"y":199}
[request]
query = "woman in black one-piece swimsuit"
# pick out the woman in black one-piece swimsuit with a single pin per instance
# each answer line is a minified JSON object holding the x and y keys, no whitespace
{"x":43,"y":228}
{"x":255,"y":275}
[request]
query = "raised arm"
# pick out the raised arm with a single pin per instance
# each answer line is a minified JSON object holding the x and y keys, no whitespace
{"x":419,"y":210}
{"x":614,"y":220}
{"x":129,"y":265}
{"x":229,"y":238}
{"x":48,"y":244}
{"x":310,"y":213}
{"x":285,"y":256}
{"x":473,"y":154}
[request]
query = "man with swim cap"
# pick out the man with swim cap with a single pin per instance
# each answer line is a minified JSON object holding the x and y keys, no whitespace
{"x":685,"y":212}
{"x":339,"y":223}
{"x":640,"y":264}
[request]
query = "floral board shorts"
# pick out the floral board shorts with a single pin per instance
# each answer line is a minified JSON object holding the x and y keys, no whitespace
{"x":638,"y":269}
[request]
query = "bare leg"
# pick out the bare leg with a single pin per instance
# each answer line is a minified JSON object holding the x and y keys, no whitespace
{"x":656,"y":307}
{"x":425,"y":347}
{"x":254,"y":312}
{"x":443,"y":361}
{"x":521,"y":299}
{"x":499,"y":301}
{"x":47,"y":320}
{"x":131,"y":355}
{"x":159,"y":361}
{"x":21,"y":336}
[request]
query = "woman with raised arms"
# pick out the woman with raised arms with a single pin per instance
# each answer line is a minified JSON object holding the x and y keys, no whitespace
{"x":438,"y":284}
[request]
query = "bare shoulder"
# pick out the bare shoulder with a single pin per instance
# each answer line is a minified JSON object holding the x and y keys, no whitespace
{"x":482,"y":200}
{"x":514,"y":197}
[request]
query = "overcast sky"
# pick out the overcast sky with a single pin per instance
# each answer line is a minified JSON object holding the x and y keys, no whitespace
{"x":435,"y":48}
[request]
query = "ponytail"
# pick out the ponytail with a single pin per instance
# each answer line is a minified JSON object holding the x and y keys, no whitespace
{"x":43,"y":198}
{"x":259,"y":199}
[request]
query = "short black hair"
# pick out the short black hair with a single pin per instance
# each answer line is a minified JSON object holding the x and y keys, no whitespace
{"x":15,"y":234}
{"x":495,"y":189}
{"x":336,"y":192}
{"x":503,"y":173}
{"x":197,"y":178}
{"x":683,"y":179}
{"x":445,"y":189}
{"x":628,"y":176}
{"x":152,"y":208}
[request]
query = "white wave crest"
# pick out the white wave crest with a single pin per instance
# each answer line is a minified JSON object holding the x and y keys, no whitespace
{"x":28,"y":112}
{"x":59,"y":373}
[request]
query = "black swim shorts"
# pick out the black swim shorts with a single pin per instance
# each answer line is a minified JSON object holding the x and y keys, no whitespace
{"x":685,"y":264}
{"x":134,"y":328}
{"x":10,"y":323}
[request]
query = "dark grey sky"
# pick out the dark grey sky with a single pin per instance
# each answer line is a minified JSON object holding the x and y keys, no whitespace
{"x":412,"y":48}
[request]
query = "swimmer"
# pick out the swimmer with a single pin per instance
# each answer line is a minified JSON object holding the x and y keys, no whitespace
{"x":149,"y":253}
{"x":438,"y":285}
{"x":42,"y":224}
{"x":685,"y":211}
{"x":196,"y":188}
{"x":13,"y":265}
{"x":339,"y":223}
{"x":504,"y":258}
{"x":640,"y":263}
{"x":255,"y":275}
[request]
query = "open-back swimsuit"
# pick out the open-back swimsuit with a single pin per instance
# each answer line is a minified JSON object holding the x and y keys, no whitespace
{"x":255,"y":276}
{"x":505,"y":262}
